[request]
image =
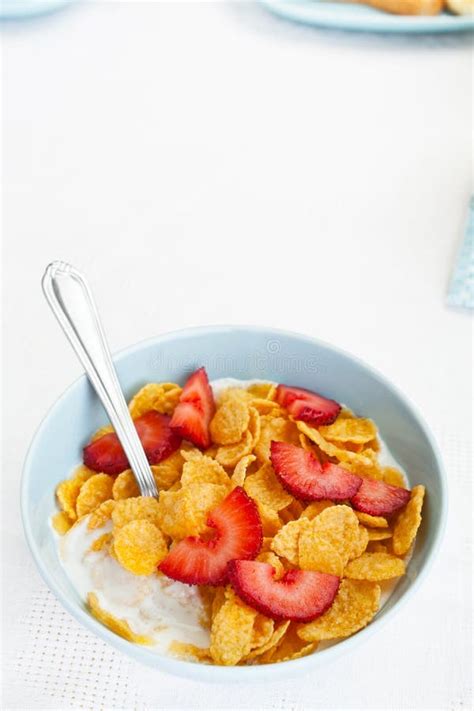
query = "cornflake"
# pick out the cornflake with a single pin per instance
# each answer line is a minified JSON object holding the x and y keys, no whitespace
{"x":289,"y":646}
{"x":393,"y":476}
{"x":184,"y":512}
{"x":101,"y":515}
{"x":408,"y":522}
{"x":140,"y":547}
{"x":232,"y":631}
{"x":61,"y":522}
{"x":125,"y":486}
{"x":271,"y":522}
{"x":315,"y":507}
{"x":372,"y":521}
{"x":276,"y":635}
{"x":230,"y":454}
{"x":136,"y":508}
{"x":375,"y":567}
{"x":240,"y":471}
{"x":230,"y":421}
{"x":68,"y":491}
{"x":93,"y":492}
{"x":356,"y":430}
{"x":162,"y":397}
{"x":101,"y":542}
{"x":360,"y":543}
{"x":285,"y":543}
{"x":168,"y":472}
{"x":262,"y":632}
{"x":379,"y":534}
{"x":204,"y":470}
{"x":354,"y":606}
{"x":316,"y":553}
{"x":263,"y":391}
{"x":339,"y":526}
{"x":263,"y":486}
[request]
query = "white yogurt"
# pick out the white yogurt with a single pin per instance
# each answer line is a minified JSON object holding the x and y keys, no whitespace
{"x":153,"y":605}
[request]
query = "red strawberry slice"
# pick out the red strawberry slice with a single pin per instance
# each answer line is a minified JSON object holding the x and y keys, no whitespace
{"x":195,"y":410}
{"x":156,"y":436}
{"x":378,"y":498}
{"x":306,"y":478}
{"x":106,"y":454}
{"x":300,"y":595}
{"x":307,"y":406}
{"x":238,"y":535}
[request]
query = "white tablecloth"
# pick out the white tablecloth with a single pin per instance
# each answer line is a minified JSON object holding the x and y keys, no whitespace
{"x":209,"y":163}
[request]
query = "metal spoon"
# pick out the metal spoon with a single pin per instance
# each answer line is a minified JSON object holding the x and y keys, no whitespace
{"x":70,"y":298}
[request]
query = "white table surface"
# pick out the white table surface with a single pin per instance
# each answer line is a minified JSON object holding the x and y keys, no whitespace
{"x":208,"y":163}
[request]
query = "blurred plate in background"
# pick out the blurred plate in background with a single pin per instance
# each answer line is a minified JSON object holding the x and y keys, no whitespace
{"x":18,"y":9}
{"x":346,"y":16}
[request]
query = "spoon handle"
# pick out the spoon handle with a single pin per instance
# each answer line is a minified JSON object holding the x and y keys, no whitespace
{"x":70,"y":298}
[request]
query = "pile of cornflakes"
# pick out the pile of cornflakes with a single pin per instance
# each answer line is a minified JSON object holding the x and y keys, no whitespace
{"x":365,"y":551}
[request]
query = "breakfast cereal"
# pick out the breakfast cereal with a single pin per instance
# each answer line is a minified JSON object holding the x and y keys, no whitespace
{"x":278,"y":516}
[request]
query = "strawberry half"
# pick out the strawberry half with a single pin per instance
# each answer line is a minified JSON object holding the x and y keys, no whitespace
{"x":196,"y":561}
{"x":378,"y":498}
{"x":306,"y":478}
{"x":195,"y":410}
{"x":300,"y":595}
{"x":106,"y":454}
{"x":307,"y":406}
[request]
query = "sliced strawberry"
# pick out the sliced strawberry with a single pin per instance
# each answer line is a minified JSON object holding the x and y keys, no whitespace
{"x":307,"y":406}
{"x":238,"y":535}
{"x":156,"y":436}
{"x":378,"y":498}
{"x":106,"y":454}
{"x":300,"y":595}
{"x":306,"y":478}
{"x":188,"y":422}
{"x":195,"y":410}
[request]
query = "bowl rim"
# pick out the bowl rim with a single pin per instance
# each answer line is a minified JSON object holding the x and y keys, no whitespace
{"x":211,"y":672}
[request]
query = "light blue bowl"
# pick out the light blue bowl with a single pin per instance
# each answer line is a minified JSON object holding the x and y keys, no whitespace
{"x":240,"y":352}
